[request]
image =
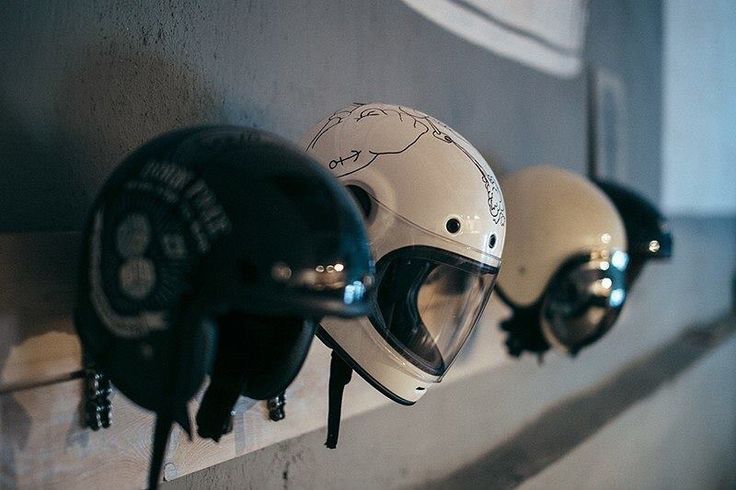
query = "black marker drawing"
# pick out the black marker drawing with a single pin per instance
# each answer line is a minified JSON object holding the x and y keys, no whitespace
{"x":355,"y":155}
{"x":422,"y":124}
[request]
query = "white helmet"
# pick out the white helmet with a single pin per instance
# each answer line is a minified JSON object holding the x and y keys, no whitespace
{"x":436,"y":222}
{"x":566,"y":277}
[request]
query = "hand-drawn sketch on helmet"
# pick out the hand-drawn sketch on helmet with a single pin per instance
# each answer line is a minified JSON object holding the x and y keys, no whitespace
{"x":412,"y":128}
{"x":436,"y":222}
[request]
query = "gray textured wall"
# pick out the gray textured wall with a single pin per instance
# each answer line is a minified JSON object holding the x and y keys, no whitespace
{"x":82,"y":83}
{"x":89,"y":81}
{"x":625,"y":38}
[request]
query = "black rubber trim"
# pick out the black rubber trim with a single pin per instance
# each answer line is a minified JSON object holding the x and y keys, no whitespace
{"x":330,"y":342}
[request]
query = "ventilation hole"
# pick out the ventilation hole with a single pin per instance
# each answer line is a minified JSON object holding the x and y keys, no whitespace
{"x":421,"y":388}
{"x":492,"y":241}
{"x":363,"y":199}
{"x":453,"y":225}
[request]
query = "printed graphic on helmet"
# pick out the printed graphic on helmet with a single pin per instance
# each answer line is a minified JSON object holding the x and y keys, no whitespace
{"x":167,"y":219}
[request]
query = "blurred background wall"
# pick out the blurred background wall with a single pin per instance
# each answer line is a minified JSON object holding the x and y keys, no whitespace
{"x":83,"y":83}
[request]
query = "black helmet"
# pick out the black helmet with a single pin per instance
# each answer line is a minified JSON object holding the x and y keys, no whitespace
{"x":647,"y":230}
{"x":207,"y":231}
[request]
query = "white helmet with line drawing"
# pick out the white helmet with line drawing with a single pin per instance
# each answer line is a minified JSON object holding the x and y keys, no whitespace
{"x":436,"y":223}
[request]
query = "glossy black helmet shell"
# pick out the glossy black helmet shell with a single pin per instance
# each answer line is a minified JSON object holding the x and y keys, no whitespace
{"x":199,"y":223}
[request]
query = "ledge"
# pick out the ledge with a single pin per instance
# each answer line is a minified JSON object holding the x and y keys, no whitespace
{"x":42,"y":442}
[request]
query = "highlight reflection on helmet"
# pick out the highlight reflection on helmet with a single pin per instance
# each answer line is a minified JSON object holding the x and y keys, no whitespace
{"x":583,"y":300}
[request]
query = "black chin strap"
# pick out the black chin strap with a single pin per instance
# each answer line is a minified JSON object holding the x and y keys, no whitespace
{"x":215,"y":415}
{"x":340,"y":374}
{"x":160,"y":441}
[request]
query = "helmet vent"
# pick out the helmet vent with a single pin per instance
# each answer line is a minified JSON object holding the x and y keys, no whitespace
{"x":492,"y":241}
{"x":453,"y":225}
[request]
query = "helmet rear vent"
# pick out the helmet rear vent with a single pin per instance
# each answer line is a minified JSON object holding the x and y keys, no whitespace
{"x":453,"y":225}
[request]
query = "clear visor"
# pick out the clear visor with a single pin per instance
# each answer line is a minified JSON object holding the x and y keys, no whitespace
{"x":428,"y":301}
{"x":429,"y":293}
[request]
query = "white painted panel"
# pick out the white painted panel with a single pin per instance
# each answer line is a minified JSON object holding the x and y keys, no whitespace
{"x":546,"y":35}
{"x":699,"y":123}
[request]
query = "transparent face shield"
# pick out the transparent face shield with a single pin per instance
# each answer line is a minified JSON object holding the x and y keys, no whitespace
{"x":428,"y":294}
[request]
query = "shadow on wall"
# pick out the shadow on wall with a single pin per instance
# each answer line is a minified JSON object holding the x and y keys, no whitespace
{"x":563,"y":427}
{"x":118,"y":98}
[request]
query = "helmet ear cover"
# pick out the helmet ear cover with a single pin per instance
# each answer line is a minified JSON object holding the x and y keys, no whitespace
{"x":269,"y":350}
{"x":255,"y":356}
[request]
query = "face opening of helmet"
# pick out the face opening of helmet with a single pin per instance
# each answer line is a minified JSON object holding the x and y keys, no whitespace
{"x":428,"y":301}
{"x":429,"y":292}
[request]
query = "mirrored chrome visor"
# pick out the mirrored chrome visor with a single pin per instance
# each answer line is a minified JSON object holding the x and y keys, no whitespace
{"x":584,"y":299}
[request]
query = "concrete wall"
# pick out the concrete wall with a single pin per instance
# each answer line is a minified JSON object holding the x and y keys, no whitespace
{"x":699,"y":106}
{"x":90,"y":81}
{"x":82,"y":83}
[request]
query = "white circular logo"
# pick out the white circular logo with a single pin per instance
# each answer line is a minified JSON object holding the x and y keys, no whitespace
{"x":137,"y":277}
{"x":133,"y":235}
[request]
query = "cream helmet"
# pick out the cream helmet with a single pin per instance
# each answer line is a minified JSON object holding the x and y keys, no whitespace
{"x":436,"y":223}
{"x":565,"y":279}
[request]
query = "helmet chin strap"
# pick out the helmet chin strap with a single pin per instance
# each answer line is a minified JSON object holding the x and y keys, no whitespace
{"x":214,"y":417}
{"x":161,"y":434}
{"x":340,"y":374}
{"x":249,"y":361}
{"x":160,"y":440}
{"x":175,"y":411}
